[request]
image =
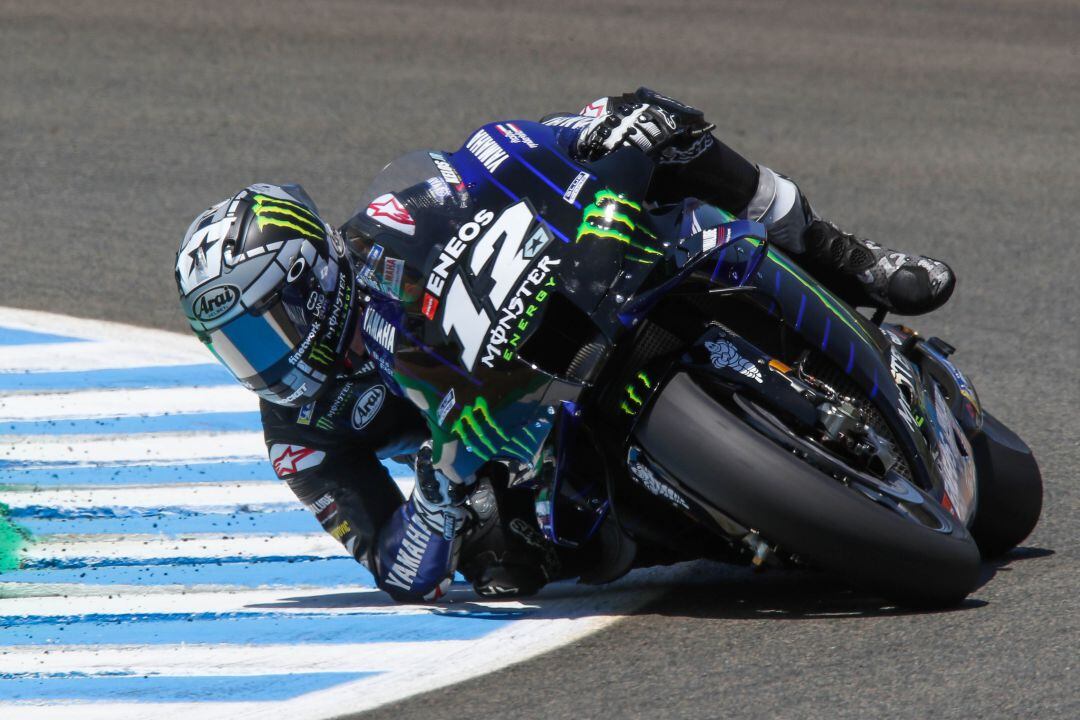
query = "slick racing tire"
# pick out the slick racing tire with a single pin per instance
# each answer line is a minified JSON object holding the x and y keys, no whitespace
{"x":715,"y":456}
{"x":1009,"y":489}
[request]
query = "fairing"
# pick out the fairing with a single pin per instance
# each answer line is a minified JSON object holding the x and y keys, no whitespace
{"x":509,"y":227}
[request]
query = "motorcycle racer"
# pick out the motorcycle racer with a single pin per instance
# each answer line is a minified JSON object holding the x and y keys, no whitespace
{"x":286,"y":320}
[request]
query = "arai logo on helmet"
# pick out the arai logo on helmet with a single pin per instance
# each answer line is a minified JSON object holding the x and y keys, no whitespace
{"x":367,"y":407}
{"x":215,"y":302}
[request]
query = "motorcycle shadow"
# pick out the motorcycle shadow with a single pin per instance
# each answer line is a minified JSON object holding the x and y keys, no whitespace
{"x":990,"y":568}
{"x":698,"y":589}
{"x":727,"y":592}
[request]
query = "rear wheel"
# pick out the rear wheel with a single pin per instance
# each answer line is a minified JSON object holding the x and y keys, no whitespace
{"x":888,"y":536}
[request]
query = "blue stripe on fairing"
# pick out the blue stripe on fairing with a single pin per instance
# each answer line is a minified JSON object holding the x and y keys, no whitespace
{"x":249,"y":628}
{"x":175,"y":688}
{"x":181,"y":422}
{"x":510,"y":194}
{"x":13,"y":336}
{"x":54,"y":474}
{"x":289,"y":521}
{"x":320,"y":572}
{"x":158,"y":376}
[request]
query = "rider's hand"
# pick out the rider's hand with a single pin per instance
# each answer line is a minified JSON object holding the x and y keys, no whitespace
{"x":646,"y":120}
{"x":629,"y":124}
{"x":438,"y":500}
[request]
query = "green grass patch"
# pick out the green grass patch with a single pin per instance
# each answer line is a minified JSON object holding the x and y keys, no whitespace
{"x":12,"y":540}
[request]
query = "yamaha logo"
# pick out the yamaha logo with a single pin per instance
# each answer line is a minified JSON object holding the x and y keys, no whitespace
{"x":216,"y":302}
{"x":368,"y":406}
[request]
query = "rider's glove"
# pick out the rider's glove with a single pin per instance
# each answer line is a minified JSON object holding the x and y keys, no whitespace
{"x":646,"y":127}
{"x":438,"y":501}
{"x":646,"y":120}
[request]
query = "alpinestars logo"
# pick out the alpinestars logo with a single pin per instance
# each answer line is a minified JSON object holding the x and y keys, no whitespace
{"x":291,"y":459}
{"x":487,"y":151}
{"x":596,"y":108}
{"x":389,"y":211}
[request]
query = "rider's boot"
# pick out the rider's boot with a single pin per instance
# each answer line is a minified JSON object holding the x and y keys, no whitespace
{"x":861,"y":272}
{"x":504,"y":554}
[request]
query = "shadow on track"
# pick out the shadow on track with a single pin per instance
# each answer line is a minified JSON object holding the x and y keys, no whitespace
{"x":699,"y":589}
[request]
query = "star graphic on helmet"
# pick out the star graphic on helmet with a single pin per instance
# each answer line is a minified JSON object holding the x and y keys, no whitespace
{"x":198,"y":253}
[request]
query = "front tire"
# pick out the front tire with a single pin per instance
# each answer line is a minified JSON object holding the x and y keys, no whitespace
{"x":714,"y":455}
{"x":1009,"y":489}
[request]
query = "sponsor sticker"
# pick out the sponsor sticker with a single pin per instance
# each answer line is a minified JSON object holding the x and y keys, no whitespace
{"x":516,"y":135}
{"x":574,"y":190}
{"x":647,"y":478}
{"x":429,"y":306}
{"x":389,"y":211}
{"x":215,"y":302}
{"x":291,"y":459}
{"x":393,"y":271}
{"x":446,"y":170}
{"x":304,"y":418}
{"x":708,"y":240}
{"x":485,"y":149}
{"x":724,"y":355}
{"x":368,"y":406}
{"x":379,"y":329}
{"x":450,"y":254}
{"x":446,"y":405}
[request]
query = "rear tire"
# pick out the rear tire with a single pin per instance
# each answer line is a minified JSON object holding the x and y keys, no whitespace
{"x":713,"y":455}
{"x":1009,"y":489}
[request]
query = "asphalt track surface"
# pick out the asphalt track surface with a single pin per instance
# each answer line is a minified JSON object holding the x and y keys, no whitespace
{"x":945,"y":128}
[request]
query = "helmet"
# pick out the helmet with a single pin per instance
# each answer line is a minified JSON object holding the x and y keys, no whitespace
{"x":269,"y":288}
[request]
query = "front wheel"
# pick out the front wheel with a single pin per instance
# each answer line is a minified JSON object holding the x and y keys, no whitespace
{"x":713,"y":454}
{"x":1010,"y":489}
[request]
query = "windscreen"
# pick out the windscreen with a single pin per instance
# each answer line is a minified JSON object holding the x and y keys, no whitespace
{"x":425,"y":176}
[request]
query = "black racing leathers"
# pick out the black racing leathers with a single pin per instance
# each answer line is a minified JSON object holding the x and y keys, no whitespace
{"x":328,"y":452}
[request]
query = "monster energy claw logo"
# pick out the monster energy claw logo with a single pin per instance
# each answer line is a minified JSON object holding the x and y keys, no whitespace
{"x":633,"y":402}
{"x":473,"y":425}
{"x":609,"y":217}
{"x":287,"y":214}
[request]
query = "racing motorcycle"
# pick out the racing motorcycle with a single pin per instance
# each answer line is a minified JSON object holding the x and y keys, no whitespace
{"x":662,"y":382}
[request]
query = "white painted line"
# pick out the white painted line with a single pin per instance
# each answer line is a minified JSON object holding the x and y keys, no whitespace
{"x":155,"y":547}
{"x":126,"y":403}
{"x":174,"y":447}
{"x":151,"y":341}
{"x":204,"y":497}
{"x":561,"y":614}
{"x":84,"y":356}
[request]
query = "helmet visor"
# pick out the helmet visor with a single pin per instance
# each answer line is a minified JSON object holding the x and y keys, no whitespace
{"x":290,"y":345}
